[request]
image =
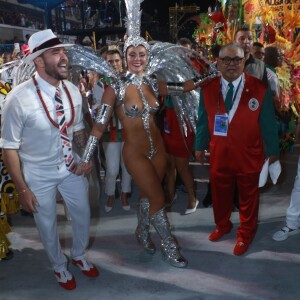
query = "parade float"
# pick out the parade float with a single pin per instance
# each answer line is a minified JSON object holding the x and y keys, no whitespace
{"x":273,"y":22}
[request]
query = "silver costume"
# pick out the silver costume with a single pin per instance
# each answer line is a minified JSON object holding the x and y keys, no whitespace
{"x":142,"y":231}
{"x":105,"y":110}
{"x":90,"y":147}
{"x":166,"y":62}
{"x":133,"y":26}
{"x":104,"y":114}
{"x":120,"y":88}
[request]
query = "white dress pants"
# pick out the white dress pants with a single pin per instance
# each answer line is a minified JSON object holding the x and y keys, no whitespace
{"x":293,"y":211}
{"x":114,"y":159}
{"x":44,"y":183}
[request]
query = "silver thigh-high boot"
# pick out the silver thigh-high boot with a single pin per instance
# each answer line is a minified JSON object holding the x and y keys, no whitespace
{"x":169,"y":247}
{"x":142,"y":231}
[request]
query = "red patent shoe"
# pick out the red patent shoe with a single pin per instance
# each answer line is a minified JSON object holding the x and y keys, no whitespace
{"x":240,"y":247}
{"x":218,"y":234}
{"x":87,"y":268}
{"x":65,"y":279}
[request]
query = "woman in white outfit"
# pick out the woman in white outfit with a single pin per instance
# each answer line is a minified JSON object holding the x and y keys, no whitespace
{"x":113,"y":141}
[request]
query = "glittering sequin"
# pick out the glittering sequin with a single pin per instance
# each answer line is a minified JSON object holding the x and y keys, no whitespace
{"x":120,"y":88}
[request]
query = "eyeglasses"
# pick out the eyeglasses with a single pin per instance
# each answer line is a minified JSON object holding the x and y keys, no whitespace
{"x":234,"y":60}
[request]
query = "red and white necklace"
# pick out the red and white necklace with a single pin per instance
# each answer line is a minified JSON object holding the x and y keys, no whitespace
{"x":45,"y":107}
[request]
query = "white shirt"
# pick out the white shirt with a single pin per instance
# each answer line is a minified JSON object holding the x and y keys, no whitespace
{"x":273,"y":82}
{"x":237,"y":84}
{"x":26,"y":127}
{"x":98,"y":91}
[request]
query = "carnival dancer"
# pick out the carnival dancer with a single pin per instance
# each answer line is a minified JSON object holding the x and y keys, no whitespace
{"x":180,"y":146}
{"x":134,"y":96}
{"x":42,"y":117}
{"x":113,"y":142}
{"x":240,"y":133}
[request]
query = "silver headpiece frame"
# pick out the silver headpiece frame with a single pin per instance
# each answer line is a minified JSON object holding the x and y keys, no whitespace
{"x":133,"y":25}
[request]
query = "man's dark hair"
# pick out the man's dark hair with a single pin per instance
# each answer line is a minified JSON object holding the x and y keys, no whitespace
{"x":184,"y":41}
{"x":271,"y":56}
{"x":113,"y":51}
{"x":215,"y":49}
{"x":103,"y":50}
{"x":244,"y":29}
{"x":258,"y":44}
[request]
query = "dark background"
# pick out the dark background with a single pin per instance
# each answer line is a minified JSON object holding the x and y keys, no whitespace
{"x":162,"y":6}
{"x":155,"y":19}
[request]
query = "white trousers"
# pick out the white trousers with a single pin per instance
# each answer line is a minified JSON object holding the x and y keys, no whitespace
{"x":293,"y":211}
{"x":44,"y":182}
{"x":114,"y":159}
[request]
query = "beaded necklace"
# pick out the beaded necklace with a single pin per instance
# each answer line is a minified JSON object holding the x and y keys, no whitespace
{"x":45,"y":107}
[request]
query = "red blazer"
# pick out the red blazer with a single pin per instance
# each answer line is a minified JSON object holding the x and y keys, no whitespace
{"x":242,"y":150}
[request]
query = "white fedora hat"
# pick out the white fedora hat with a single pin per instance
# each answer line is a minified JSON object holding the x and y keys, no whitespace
{"x":40,"y":42}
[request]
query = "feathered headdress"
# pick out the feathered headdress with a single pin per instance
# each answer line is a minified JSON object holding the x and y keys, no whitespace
{"x":133,"y":25}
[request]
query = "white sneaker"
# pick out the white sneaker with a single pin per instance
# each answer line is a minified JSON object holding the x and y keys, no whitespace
{"x":126,"y":207}
{"x":284,"y":233}
{"x":107,"y":208}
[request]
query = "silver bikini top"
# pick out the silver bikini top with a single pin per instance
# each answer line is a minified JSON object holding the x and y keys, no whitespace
{"x":124,"y":81}
{"x":120,"y":85}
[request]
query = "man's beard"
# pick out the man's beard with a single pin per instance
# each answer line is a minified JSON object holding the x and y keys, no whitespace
{"x":54,"y":73}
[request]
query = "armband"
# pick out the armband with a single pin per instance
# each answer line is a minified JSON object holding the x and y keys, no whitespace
{"x":104,"y":114}
{"x":90,"y":147}
{"x":174,"y":88}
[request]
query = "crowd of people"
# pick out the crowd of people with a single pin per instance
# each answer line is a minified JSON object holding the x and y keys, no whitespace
{"x":136,"y":135}
{"x":22,"y":19}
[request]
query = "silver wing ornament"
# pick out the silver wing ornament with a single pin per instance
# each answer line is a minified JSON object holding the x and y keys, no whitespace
{"x":167,"y":62}
{"x":84,"y":58}
{"x":171,"y":63}
{"x":80,"y":58}
{"x":17,"y":69}
{"x":23,"y":73}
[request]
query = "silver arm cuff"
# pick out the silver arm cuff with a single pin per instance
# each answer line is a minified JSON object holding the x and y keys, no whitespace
{"x":104,"y":114}
{"x":175,"y":88}
{"x":90,"y":147}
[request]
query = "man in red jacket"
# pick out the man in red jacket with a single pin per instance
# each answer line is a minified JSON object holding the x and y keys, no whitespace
{"x":236,"y":122}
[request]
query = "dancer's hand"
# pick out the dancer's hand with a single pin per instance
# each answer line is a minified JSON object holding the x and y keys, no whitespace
{"x":84,"y":168}
{"x":273,"y":158}
{"x":200,"y":156}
